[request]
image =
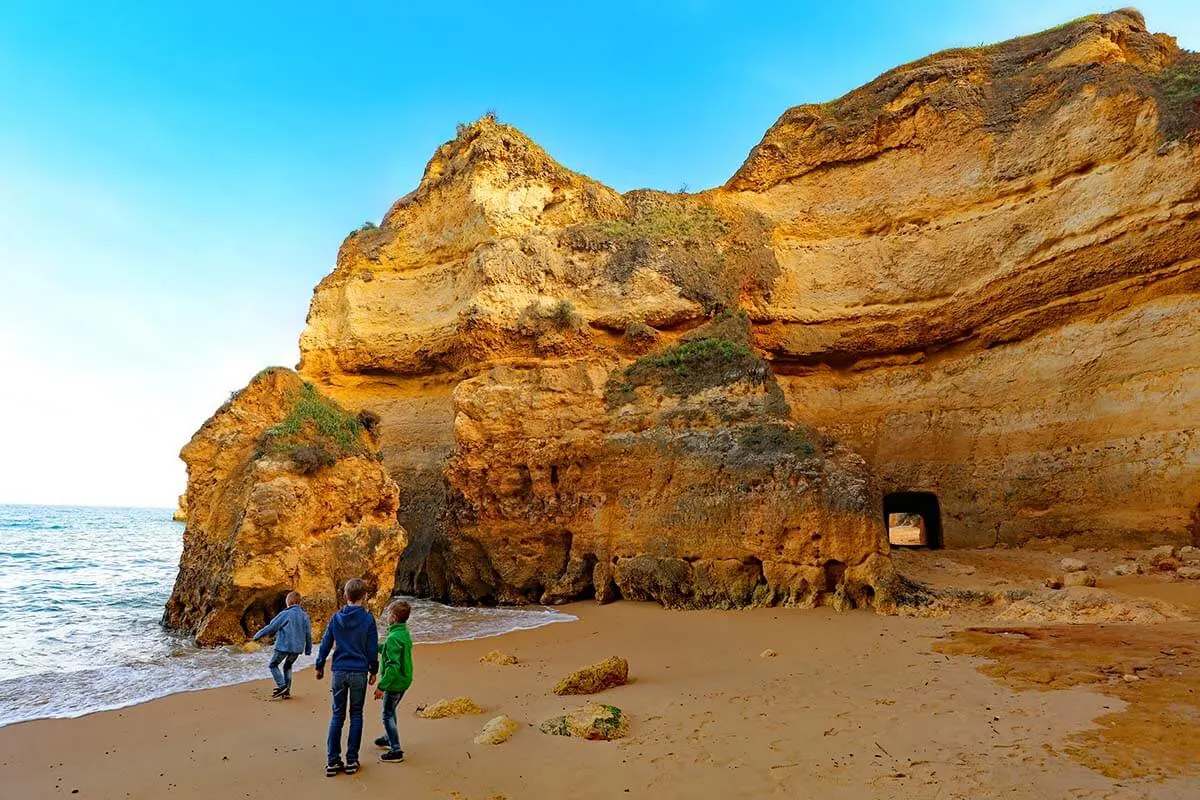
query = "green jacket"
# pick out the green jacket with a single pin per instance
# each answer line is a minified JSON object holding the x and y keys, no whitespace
{"x":395,"y":659}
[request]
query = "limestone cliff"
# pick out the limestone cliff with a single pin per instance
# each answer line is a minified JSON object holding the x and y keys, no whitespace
{"x":284,"y":492}
{"x":979,"y":272}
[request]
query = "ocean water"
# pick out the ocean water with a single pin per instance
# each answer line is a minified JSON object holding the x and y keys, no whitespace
{"x":82,"y":591}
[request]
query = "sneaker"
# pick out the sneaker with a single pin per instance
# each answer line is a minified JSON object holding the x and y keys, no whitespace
{"x":351,"y":767}
{"x":383,"y":742}
{"x":392,"y":757}
{"x":333,"y":768}
{"x":286,"y":694}
{"x":278,"y":691}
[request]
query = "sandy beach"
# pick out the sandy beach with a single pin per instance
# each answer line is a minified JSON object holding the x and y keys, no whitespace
{"x":853,"y":705}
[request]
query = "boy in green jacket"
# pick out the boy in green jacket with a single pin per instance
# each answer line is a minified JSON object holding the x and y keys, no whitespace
{"x":395,"y":676}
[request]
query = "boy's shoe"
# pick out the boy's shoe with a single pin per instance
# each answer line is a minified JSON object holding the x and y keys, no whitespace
{"x":286,"y":694}
{"x":278,"y":691}
{"x":392,"y":757}
{"x":383,"y":742}
{"x":351,"y":767}
{"x":333,"y":768}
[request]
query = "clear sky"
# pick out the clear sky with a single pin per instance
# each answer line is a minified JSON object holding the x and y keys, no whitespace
{"x":176,"y":177}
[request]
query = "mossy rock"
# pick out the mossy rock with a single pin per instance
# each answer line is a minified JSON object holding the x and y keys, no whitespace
{"x":595,"y":721}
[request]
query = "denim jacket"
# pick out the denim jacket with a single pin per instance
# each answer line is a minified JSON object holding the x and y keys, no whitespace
{"x":292,"y":629}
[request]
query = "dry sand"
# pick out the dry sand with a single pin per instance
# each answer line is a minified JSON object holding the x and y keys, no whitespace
{"x":854,"y":705}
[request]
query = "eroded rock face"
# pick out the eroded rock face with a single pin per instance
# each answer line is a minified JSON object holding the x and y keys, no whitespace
{"x":260,"y":524}
{"x":684,"y":483}
{"x":977,"y":276}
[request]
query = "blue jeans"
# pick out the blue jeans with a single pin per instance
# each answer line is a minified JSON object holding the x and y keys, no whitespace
{"x":390,"y":701}
{"x":348,"y":687}
{"x":283,"y":679}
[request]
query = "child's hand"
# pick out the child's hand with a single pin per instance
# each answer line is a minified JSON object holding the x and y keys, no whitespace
{"x":378,"y":694}
{"x":320,"y":673}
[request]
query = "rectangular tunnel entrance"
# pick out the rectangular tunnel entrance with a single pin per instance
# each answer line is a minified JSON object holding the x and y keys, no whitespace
{"x":913,"y":519}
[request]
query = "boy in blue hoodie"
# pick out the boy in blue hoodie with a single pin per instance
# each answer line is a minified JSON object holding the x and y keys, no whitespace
{"x":293,"y":635}
{"x":355,"y":662}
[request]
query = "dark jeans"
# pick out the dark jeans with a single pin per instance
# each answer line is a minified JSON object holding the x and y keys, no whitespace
{"x":283,"y":679}
{"x":390,"y":701}
{"x":349,"y":689}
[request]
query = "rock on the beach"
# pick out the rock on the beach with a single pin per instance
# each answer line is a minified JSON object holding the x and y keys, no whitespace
{"x":1156,"y":555}
{"x":275,"y":505}
{"x":498,"y":657}
{"x":497,"y":730}
{"x":1189,"y":573}
{"x":1072,"y":565}
{"x":768,"y":653}
{"x":595,"y":721}
{"x":1079,"y":579}
{"x":1127,"y":568}
{"x":250,"y":647}
{"x":1189,"y":554}
{"x":612,"y":671}
{"x":458,"y":707}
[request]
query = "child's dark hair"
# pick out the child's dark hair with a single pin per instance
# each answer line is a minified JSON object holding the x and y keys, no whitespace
{"x":356,"y":590}
{"x":399,"y":611}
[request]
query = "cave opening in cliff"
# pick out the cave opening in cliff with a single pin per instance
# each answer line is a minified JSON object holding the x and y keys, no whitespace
{"x":913,"y":519}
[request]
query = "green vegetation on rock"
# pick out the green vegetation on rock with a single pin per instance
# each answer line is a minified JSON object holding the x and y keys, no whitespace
{"x":1178,"y":92}
{"x":315,"y":433}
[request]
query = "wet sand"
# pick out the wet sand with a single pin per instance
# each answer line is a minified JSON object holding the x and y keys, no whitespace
{"x":853,"y":705}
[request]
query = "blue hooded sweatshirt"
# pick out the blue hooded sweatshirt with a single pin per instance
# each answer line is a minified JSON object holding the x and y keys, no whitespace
{"x":353,"y":631}
{"x":292,"y":629}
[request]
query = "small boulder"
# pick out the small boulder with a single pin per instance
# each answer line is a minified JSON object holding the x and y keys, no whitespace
{"x":1054,"y":582}
{"x":610,"y":672}
{"x":1127,"y":568}
{"x":498,"y":657}
{"x":1129,"y":677}
{"x":250,"y":647}
{"x":768,"y":653}
{"x":458,"y":707}
{"x":1157,"y":554}
{"x":1189,"y":554}
{"x":1072,"y":565}
{"x":1189,"y":573}
{"x":497,"y":730}
{"x":594,"y":721}
{"x":1079,"y":579}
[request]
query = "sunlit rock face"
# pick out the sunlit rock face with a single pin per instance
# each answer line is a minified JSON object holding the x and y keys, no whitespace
{"x":270,"y":511}
{"x":975,"y":277}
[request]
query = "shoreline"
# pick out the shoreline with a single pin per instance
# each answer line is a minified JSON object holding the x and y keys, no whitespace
{"x":854,"y":704}
{"x":256,"y":660}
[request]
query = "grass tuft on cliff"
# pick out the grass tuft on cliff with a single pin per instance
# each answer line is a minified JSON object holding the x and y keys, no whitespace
{"x":1177,"y":90}
{"x":316,"y":432}
{"x":688,"y":368}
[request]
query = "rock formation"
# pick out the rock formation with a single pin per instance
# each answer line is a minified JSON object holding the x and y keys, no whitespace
{"x":975,"y":278}
{"x":284,"y":492}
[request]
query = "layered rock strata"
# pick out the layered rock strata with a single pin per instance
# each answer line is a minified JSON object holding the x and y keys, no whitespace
{"x":277,"y":503}
{"x":975,"y":277}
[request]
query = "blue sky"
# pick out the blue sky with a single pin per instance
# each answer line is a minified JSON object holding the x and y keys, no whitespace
{"x":175,"y":178}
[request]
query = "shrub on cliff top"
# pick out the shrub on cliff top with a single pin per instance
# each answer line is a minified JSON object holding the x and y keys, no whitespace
{"x":315,"y":433}
{"x":1177,"y":89}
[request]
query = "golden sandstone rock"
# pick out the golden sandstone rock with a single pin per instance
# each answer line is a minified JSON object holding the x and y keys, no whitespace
{"x":457,"y":707}
{"x":497,"y":731}
{"x":976,"y":276}
{"x":261,"y":524}
{"x":594,"y":721}
{"x":499,"y":658}
{"x":612,"y":671}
